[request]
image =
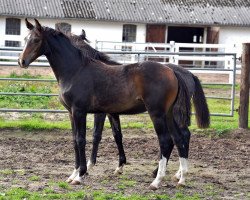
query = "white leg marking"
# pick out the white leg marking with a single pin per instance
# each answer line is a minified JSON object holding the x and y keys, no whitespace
{"x":78,"y":179}
{"x":160,"y":174}
{"x":119,"y":170}
{"x":73,"y":175}
{"x":90,"y":165}
{"x":177,"y":175}
{"x":183,"y":170}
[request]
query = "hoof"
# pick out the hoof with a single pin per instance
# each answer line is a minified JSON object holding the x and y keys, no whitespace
{"x":118,"y":171}
{"x":153,"y":187}
{"x":175,"y":179}
{"x":74,"y":182}
{"x":69,"y":180}
{"x":180,"y":185}
{"x":90,"y":165}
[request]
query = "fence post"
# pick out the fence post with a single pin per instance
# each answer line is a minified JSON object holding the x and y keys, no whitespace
{"x":244,"y":87}
{"x":172,"y":49}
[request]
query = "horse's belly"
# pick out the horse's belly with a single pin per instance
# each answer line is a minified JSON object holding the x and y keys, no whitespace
{"x":119,"y":107}
{"x":135,"y":110}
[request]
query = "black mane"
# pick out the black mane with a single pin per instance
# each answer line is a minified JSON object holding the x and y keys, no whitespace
{"x":86,"y":57}
{"x":80,"y":43}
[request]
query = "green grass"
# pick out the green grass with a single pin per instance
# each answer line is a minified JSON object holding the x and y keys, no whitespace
{"x":25,"y":74}
{"x":222,"y":87}
{"x":34,"y":178}
{"x":18,"y":101}
{"x":37,"y":122}
{"x":48,"y":194}
{"x":34,"y":124}
{"x":21,"y":194}
{"x":64,"y":185}
{"x":125,"y":182}
{"x":6,"y":171}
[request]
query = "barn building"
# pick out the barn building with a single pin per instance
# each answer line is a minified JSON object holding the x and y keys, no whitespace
{"x":159,"y":21}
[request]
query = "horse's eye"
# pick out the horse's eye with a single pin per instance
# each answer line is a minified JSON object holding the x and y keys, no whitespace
{"x":36,"y":40}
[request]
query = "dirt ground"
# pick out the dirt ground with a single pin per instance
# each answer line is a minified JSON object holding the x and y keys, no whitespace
{"x":219,"y":166}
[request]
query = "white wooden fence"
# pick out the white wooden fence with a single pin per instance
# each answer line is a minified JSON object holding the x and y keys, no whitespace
{"x":9,"y":55}
{"x":225,"y":62}
{"x":162,"y":52}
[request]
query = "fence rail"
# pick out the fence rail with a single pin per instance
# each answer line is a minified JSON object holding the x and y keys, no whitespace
{"x":139,"y":55}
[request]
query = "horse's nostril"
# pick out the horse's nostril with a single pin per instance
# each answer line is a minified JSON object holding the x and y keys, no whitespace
{"x":21,"y":62}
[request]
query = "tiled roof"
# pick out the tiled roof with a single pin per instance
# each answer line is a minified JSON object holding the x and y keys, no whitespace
{"x":205,"y":12}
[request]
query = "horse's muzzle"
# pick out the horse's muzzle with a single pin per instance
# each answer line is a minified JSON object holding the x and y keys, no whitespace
{"x":22,"y":63}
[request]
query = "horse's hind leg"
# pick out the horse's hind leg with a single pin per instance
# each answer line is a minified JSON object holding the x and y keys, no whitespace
{"x":116,"y":129}
{"x":171,"y":146}
{"x":99,"y":120}
{"x":181,"y":138}
{"x":160,"y":125}
{"x":186,"y":133}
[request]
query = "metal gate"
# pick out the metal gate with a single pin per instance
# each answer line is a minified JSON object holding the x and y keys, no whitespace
{"x":8,"y":57}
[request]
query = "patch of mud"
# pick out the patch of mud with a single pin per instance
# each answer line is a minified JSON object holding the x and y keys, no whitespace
{"x":219,"y":167}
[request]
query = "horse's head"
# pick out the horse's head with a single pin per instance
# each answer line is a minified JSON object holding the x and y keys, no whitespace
{"x":34,"y":46}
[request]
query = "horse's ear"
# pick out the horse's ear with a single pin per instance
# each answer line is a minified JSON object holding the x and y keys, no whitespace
{"x":28,"y":24}
{"x":83,"y":33}
{"x":38,"y":25}
{"x":83,"y":36}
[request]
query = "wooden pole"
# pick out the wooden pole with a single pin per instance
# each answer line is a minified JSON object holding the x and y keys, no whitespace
{"x":244,"y":87}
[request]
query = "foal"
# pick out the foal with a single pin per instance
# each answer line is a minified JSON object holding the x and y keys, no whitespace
{"x":90,"y":86}
{"x":194,"y":89}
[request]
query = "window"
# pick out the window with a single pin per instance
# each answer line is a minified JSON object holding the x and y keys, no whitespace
{"x":13,"y":26}
{"x":9,"y":43}
{"x":63,"y":27}
{"x":129,"y":33}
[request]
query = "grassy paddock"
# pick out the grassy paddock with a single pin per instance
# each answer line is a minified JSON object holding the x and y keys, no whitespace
{"x":38,"y":121}
{"x":68,"y":194}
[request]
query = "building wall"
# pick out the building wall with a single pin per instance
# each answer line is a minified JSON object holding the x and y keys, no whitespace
{"x":2,"y":31}
{"x":95,"y":30}
{"x":234,"y":36}
{"x":112,"y":31}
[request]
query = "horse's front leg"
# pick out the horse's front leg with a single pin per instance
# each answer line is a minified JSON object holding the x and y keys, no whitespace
{"x":99,"y":120}
{"x":117,"y":133}
{"x":79,"y":120}
{"x":77,"y":161}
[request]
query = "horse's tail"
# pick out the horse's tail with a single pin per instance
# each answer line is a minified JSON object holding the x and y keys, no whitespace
{"x":200,"y":104}
{"x":182,"y":105}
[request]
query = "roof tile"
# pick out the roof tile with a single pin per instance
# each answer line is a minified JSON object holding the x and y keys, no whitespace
{"x":205,"y":12}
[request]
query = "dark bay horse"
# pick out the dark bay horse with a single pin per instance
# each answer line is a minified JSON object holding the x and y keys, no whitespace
{"x":194,"y":89}
{"x":90,"y":86}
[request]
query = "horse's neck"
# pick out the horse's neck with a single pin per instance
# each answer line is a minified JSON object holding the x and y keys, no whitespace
{"x":64,"y":59}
